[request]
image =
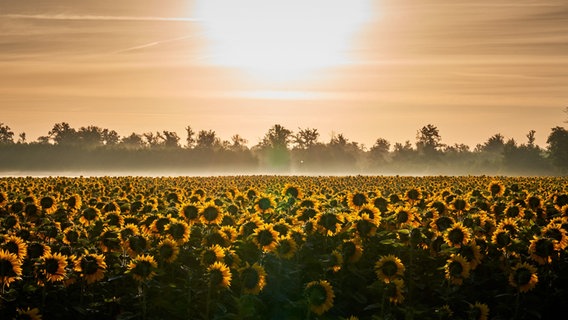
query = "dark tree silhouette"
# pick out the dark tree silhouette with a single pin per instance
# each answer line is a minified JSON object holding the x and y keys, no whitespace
{"x":6,"y":134}
{"x":558,"y":147}
{"x":428,"y":140}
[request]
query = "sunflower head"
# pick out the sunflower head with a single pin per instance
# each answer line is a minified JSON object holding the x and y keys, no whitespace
{"x":320,"y":296}
{"x":10,"y":268}
{"x":143,"y":268}
{"x":253,"y":278}
{"x":219,"y":275}
{"x":389,"y":268}
{"x":523,"y":276}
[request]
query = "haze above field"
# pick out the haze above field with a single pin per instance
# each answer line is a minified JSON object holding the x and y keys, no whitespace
{"x":364,"y":68}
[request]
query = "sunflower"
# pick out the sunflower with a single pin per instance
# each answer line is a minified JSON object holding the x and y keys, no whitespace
{"x":89,"y":216}
{"x":306,"y":213}
{"x":91,"y":266}
{"x":413,"y":195}
{"x":168,"y":250}
{"x":351,"y":250}
{"x":292,"y":190}
{"x":37,"y":249}
{"x":405,"y":216}
{"x":253,"y":278}
{"x":212,"y":254}
{"x":523,"y":276}
{"x":110,"y":241}
{"x":229,"y":233}
{"x":28,"y":314}
{"x":393,"y":290}
{"x":388,"y":268}
{"x":264,"y":204}
{"x":286,"y":247}
{"x":319,"y":295}
{"x":136,"y":244}
{"x":127,"y":231}
{"x":210,"y":213}
{"x":143,"y":267}
{"x":72,"y":234}
{"x":502,"y":239}
{"x":219,"y":275}
{"x":514,"y":210}
{"x":364,"y":227}
{"x":3,"y":198}
{"x":444,"y":312}
{"x":11,"y":221}
{"x":265,"y":237}
{"x":190,"y":212}
{"x":496,"y":188}
{"x":472,"y":253}
{"x":10,"y":268}
{"x":14,"y":244}
{"x":329,"y":223}
{"x":478,"y":311}
{"x":74,"y":202}
{"x":457,"y":235}
{"x":441,"y":223}
{"x":541,"y":249}
{"x":248,"y":223}
{"x":356,"y":200}
{"x":159,"y":225}
{"x":114,"y":218}
{"x":178,"y":231}
{"x":335,"y":261}
{"x":557,"y":233}
{"x":53,"y":267}
{"x":456,"y":269}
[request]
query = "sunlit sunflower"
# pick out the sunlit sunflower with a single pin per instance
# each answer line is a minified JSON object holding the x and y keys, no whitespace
{"x":292,"y":190}
{"x":28,"y":314}
{"x":456,"y":269}
{"x":265,"y":237}
{"x":190,"y":212}
{"x":74,"y":202}
{"x":91,"y":267}
{"x":210,"y":213}
{"x":72,"y":234}
{"x":159,"y":225}
{"x":248,"y":223}
{"x":178,"y":230}
{"x":556,"y":232}
{"x":335,"y":261}
{"x":14,"y":244}
{"x":229,"y":233}
{"x":126,"y":231}
{"x":168,"y":250}
{"x":441,"y":223}
{"x":253,"y":278}
{"x":457,"y":235}
{"x":523,"y":276}
{"x":219,"y":275}
{"x":329,"y":223}
{"x":542,"y":249}
{"x":356,"y":200}
{"x":405,"y":216}
{"x":53,"y":267}
{"x":264,"y":204}
{"x":48,"y":204}
{"x":351,"y":250}
{"x":212,"y":254}
{"x":320,"y":296}
{"x":286,"y":247}
{"x":388,"y":268}
{"x":364,"y":226}
{"x":393,"y":290}
{"x":502,"y":239}
{"x":89,"y":215}
{"x":3,"y":199}
{"x":514,"y":210}
{"x":143,"y":267}
{"x":136,"y":244}
{"x":478,"y":311}
{"x":10,"y":268}
{"x":496,"y":188}
{"x":460,"y":206}
{"x":413,"y":194}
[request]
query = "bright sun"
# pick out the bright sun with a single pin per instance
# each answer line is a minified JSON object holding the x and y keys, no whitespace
{"x":281,"y":40}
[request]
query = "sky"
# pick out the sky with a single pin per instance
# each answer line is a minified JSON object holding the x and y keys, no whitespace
{"x":367,"y":69}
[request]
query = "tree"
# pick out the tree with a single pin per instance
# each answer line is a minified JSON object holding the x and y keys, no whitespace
{"x":152,"y":140}
{"x":189,"y":140}
{"x":22,"y":138}
{"x":133,"y":141}
{"x":558,"y":147}
{"x":207,"y":140}
{"x":428,"y":140}
{"x":6,"y":134}
{"x":169,"y":139}
{"x":91,"y":136}
{"x":305,"y":138}
{"x":238,"y":143}
{"x":277,"y":137}
{"x":495,"y":144}
{"x":380,"y":150}
{"x":110,"y":137}
{"x":63,"y":134}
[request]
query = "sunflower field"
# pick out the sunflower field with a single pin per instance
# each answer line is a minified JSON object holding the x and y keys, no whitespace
{"x":283,"y":247}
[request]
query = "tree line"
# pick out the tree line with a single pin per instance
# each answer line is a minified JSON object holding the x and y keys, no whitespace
{"x":281,"y":150}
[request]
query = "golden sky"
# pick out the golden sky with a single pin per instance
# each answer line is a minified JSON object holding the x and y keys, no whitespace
{"x":366,"y":68}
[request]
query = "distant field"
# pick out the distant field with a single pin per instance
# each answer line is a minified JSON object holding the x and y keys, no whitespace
{"x":283,"y":247}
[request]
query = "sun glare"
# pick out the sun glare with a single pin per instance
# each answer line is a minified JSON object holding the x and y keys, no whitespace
{"x":281,"y":40}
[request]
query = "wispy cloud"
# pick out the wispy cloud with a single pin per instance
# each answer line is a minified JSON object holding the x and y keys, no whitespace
{"x":93,"y":17}
{"x":151,"y":44}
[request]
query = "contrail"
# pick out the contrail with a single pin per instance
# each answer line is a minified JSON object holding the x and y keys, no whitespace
{"x":150,"y":44}
{"x":94,"y":17}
